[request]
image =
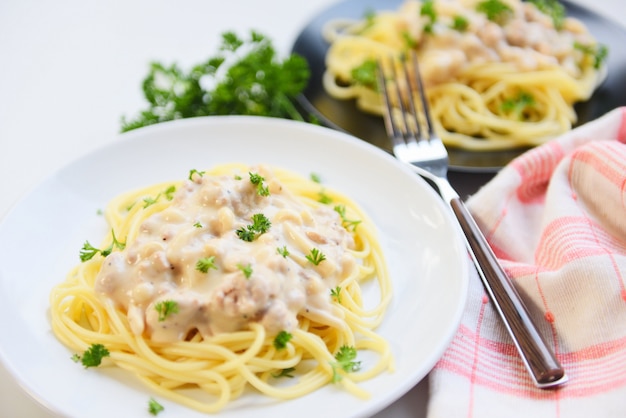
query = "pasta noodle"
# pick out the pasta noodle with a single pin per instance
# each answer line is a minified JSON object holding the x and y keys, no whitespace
{"x":493,"y":83}
{"x":203,"y":358}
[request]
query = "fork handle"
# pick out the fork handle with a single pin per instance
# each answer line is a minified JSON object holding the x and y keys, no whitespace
{"x":537,"y":356}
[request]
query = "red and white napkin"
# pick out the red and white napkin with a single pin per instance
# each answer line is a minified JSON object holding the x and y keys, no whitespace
{"x":556,"y":219}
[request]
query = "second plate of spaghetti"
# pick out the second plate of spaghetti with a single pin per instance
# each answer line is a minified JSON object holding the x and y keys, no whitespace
{"x":232,"y":206}
{"x":486,"y":112}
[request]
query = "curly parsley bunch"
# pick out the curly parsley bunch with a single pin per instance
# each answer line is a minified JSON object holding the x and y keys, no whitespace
{"x":243,"y":78}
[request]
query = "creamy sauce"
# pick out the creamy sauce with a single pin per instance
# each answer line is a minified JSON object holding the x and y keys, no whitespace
{"x":527,"y":38}
{"x":160,"y":264}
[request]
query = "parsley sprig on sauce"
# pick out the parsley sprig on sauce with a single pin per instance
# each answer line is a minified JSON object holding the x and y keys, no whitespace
{"x":261,"y":188}
{"x":260,"y":225}
{"x":315,"y":256}
{"x":166,"y":308}
{"x":495,"y":10}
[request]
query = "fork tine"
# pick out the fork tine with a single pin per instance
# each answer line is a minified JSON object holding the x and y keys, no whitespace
{"x":413,"y":126}
{"x":393,"y":131}
{"x":423,"y":99}
{"x":402,"y":134}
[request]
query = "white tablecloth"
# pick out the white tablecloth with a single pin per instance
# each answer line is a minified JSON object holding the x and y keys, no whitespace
{"x":70,"y":69}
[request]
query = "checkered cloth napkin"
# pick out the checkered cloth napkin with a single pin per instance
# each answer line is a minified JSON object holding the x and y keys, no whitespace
{"x":556,"y":219}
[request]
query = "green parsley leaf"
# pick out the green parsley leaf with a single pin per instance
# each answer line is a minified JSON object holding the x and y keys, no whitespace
{"x":349,"y":224}
{"x":88,"y":251}
{"x":336,"y":293}
{"x":599,"y":52}
{"x":93,"y":356}
{"x":283,"y":251}
{"x":197,"y":225}
{"x":154,"y":407}
{"x":288,"y":372}
{"x":428,"y":10}
{"x":315,"y":178}
{"x":166,"y":308}
{"x":518,"y":105}
{"x":495,"y":10}
{"x":169,"y":192}
{"x":345,"y":360}
{"x":315,"y":256}
{"x":204,"y":264}
{"x":149,"y":201}
{"x":260,"y":225}
{"x":324,"y":198}
{"x":115,"y":244}
{"x":553,"y":9}
{"x":257,"y":180}
{"x":246,"y":270}
{"x":281,"y":340}
{"x":365,"y":74}
{"x":459,"y":23}
{"x":194,"y":171}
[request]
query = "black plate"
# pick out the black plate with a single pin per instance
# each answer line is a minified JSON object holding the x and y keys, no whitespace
{"x":344,"y":115}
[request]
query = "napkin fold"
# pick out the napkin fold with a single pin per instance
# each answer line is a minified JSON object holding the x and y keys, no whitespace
{"x":556,"y":219}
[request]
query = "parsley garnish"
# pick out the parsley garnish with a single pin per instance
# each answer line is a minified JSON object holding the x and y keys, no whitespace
{"x":204,"y":264}
{"x":345,"y":361}
{"x":260,"y":225}
{"x":149,"y":201}
{"x":281,"y":340}
{"x":154,"y":407}
{"x":518,"y":105}
{"x":598,"y":52}
{"x":365,"y":74}
{"x":495,"y":10}
{"x":250,"y":81}
{"x":288,"y":372}
{"x":349,"y":224}
{"x":197,"y":225}
{"x":428,"y":10}
{"x":324,"y":198}
{"x":88,"y":251}
{"x":246,"y":270}
{"x":194,"y":171}
{"x":315,"y":178}
{"x":459,"y":23}
{"x":257,"y":180}
{"x":169,"y":192}
{"x":93,"y":356}
{"x":166,"y":308}
{"x":409,"y":41}
{"x":552,"y":8}
{"x":315,"y":256}
{"x":283,"y":251}
{"x":336,"y":293}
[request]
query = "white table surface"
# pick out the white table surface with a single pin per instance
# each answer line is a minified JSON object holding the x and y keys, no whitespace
{"x":69,"y":69}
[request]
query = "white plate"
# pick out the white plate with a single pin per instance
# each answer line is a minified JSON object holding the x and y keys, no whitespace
{"x":41,"y":237}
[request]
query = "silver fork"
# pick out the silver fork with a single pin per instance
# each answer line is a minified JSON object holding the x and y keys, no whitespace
{"x":416,"y":143}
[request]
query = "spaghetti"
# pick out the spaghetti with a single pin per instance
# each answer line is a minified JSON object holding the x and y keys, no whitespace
{"x":494,"y":80}
{"x":232,"y":295}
